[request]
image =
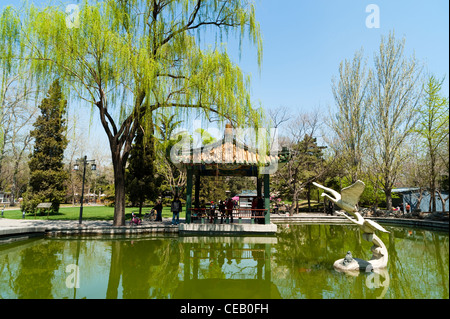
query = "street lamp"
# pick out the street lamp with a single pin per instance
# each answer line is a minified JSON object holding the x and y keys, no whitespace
{"x":77,"y":167}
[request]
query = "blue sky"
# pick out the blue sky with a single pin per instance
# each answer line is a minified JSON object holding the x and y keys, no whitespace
{"x":304,"y":42}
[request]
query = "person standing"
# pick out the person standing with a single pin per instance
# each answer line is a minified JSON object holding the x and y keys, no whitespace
{"x":254,"y":207}
{"x":330,"y":208}
{"x":158,"y":207}
{"x":212,"y":212}
{"x":229,"y":206}
{"x":260,"y":207}
{"x":221,"y":210}
{"x":175,"y":208}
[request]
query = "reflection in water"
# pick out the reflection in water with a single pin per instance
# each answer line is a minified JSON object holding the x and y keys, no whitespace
{"x":297,"y":263}
{"x":418,"y":263}
{"x":378,"y":278}
{"x":33,"y":274}
{"x":232,"y":267}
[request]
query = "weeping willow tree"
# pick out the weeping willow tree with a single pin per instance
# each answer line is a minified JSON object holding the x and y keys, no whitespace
{"x":126,"y":59}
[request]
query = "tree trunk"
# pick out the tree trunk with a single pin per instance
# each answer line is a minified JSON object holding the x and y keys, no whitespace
{"x":388,"y":193}
{"x":308,"y":196}
{"x":443,"y":200}
{"x":120,"y":149}
{"x":419,"y":200}
{"x":433,"y":183}
{"x":430,"y":203}
{"x":376,"y":199}
{"x":294,"y":200}
{"x":141,"y":203}
{"x":119,"y":187}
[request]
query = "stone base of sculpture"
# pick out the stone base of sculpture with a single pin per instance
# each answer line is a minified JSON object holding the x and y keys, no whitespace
{"x":379,"y":258}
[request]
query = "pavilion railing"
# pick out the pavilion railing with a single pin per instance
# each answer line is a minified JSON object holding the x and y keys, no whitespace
{"x":236,"y":213}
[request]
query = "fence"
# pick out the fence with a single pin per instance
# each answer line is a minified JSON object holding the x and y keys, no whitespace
{"x":236,"y":213}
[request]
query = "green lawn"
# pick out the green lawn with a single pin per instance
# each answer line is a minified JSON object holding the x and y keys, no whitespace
{"x":89,"y":213}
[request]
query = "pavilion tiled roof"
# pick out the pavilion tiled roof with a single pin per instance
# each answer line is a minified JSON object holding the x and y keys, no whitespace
{"x":230,"y":151}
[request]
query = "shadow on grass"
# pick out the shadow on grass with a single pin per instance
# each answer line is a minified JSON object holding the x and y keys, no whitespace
{"x":103,"y":217}
{"x":89,"y":213}
{"x":42,"y":214}
{"x":62,"y":216}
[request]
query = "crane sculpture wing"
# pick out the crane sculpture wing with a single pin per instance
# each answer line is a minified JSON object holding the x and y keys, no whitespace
{"x":351,"y":194}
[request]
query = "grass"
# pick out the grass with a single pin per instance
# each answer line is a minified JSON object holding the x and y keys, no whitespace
{"x":89,"y":213}
{"x":69,"y":212}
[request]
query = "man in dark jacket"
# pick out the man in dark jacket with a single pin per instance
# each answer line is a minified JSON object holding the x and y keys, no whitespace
{"x":158,"y":207}
{"x":230,"y":205}
{"x":260,"y":205}
{"x":175,"y":208}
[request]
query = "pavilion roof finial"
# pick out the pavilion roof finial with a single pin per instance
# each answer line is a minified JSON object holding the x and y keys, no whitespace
{"x":228,"y":131}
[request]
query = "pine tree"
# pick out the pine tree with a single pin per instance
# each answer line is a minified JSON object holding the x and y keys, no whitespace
{"x":47,"y":175}
{"x":305,"y":166}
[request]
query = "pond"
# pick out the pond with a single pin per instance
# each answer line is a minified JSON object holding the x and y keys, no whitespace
{"x":297,"y":263}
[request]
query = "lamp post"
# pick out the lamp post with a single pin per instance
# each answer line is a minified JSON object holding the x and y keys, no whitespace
{"x":77,"y":167}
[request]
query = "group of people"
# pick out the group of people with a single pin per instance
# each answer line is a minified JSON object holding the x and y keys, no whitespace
{"x":175,"y":208}
{"x":400,"y":208}
{"x":224,"y":208}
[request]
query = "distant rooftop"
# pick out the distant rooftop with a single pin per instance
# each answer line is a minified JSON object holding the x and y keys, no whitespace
{"x":405,"y":189}
{"x":247,"y":193}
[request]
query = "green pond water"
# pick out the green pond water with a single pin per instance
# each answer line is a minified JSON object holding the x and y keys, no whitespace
{"x":297,"y":263}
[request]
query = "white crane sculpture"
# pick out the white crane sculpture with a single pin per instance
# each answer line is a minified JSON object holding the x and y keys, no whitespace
{"x":347,"y":200}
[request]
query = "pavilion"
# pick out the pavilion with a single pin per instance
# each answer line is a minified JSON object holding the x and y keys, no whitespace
{"x":228,"y":157}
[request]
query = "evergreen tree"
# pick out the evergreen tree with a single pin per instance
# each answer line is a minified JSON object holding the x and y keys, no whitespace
{"x":305,"y":166}
{"x":47,"y":175}
{"x":141,"y":184}
{"x":311,"y":157}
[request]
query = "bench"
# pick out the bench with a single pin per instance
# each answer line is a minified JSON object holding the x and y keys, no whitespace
{"x":44,"y":206}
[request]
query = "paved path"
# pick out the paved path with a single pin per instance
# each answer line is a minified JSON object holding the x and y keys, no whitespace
{"x":19,"y":229}
{"x":5,"y":222}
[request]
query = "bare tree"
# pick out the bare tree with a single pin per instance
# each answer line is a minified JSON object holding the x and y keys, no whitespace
{"x":278,"y":116}
{"x":395,"y":98}
{"x":432,"y":127}
{"x":76,"y":148}
{"x":17,"y":112}
{"x":351,"y":93}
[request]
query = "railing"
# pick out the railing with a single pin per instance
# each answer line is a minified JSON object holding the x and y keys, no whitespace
{"x":236,"y":213}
